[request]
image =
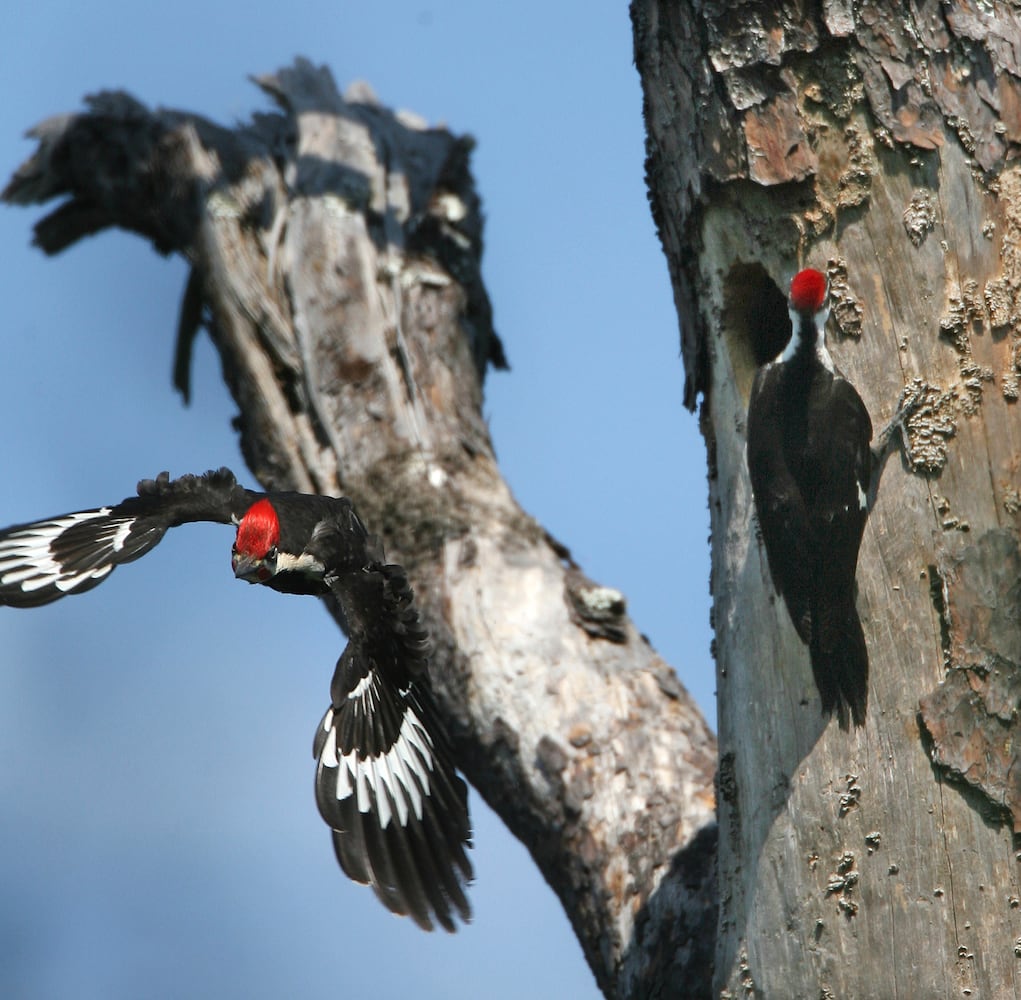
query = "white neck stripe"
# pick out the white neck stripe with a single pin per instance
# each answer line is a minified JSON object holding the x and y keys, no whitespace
{"x":821,"y":353}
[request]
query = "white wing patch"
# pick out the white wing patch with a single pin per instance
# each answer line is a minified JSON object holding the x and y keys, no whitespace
{"x":401,"y":775}
{"x":27,"y":555}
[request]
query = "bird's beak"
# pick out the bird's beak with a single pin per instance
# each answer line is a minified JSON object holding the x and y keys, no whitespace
{"x":247,"y":568}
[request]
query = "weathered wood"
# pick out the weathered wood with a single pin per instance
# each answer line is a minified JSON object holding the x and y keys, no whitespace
{"x":335,"y":255}
{"x":873,"y":140}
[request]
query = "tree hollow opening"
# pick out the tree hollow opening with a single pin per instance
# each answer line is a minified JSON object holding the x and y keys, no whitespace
{"x":755,"y":321}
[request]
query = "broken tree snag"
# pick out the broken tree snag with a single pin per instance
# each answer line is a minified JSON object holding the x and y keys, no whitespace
{"x":972,"y":718}
{"x":335,"y":260}
{"x":875,"y":141}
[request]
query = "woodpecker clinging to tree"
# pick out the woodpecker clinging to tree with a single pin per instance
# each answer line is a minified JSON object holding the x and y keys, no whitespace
{"x":385,"y":782}
{"x":810,"y":464}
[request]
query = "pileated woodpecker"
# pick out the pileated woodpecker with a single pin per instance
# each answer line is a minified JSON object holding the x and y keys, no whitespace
{"x":385,"y":782}
{"x":810,"y":464}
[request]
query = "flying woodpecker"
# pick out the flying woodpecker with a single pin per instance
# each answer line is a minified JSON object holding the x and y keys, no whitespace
{"x":385,"y":781}
{"x":810,"y":465}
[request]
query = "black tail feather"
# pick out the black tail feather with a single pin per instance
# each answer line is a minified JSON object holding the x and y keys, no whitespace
{"x":840,"y":662}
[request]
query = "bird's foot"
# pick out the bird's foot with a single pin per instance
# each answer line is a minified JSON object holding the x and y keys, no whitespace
{"x":911,"y":400}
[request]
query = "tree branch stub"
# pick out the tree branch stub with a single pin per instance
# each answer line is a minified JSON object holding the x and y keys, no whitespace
{"x":335,"y":249}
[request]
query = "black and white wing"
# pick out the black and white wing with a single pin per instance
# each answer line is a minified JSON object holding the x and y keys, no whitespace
{"x":385,"y":781}
{"x":45,"y":560}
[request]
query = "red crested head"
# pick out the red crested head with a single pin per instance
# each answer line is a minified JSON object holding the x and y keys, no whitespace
{"x":809,"y":291}
{"x":259,"y":530}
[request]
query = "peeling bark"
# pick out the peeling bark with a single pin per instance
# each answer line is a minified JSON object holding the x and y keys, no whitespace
{"x":971,"y":718}
{"x":334,"y":251}
{"x":876,"y":141}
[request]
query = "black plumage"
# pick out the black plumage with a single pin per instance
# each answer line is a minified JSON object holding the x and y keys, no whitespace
{"x":810,"y":466}
{"x":385,"y":780}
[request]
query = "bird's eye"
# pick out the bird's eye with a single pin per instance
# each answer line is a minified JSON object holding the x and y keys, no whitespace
{"x":272,"y":553}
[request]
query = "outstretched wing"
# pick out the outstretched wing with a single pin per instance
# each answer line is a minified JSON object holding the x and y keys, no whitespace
{"x":385,"y":781}
{"x":46,"y":560}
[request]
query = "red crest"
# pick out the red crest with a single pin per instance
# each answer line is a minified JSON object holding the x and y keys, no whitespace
{"x":808,"y":291}
{"x":259,"y":530}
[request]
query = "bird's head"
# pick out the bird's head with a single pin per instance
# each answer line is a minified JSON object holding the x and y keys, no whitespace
{"x":810,"y":294}
{"x":254,"y":555}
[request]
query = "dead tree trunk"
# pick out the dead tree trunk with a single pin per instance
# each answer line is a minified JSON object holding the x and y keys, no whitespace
{"x":335,"y":262}
{"x":876,"y":141}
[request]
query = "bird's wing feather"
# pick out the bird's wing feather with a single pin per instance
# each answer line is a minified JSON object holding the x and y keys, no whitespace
{"x":45,"y":560}
{"x":779,"y":504}
{"x":850,"y":408}
{"x":385,"y":780}
{"x":841,"y":468}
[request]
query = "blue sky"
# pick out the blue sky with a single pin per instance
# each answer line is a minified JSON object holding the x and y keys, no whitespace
{"x":159,"y":829}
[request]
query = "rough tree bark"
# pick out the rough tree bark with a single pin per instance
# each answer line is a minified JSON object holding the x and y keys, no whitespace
{"x":335,"y":254}
{"x":877,"y":141}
